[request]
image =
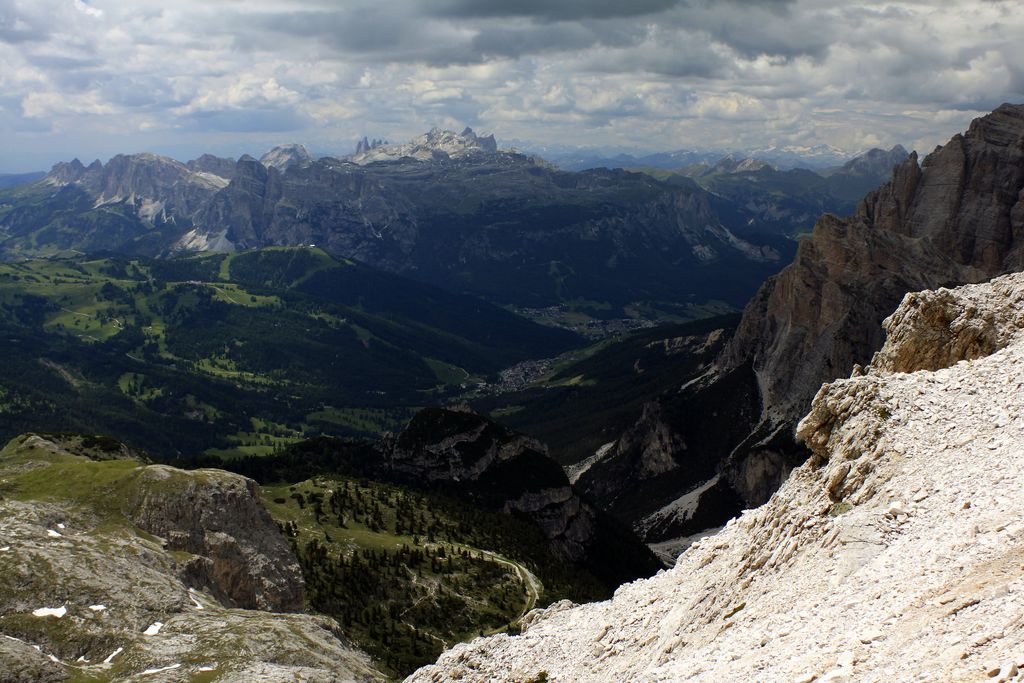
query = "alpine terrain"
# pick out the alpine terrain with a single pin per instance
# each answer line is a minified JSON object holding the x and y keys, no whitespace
{"x":723,"y":438}
{"x":449,"y":209}
{"x":893,"y":554}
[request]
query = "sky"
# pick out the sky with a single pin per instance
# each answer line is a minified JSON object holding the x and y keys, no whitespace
{"x":91,"y":78}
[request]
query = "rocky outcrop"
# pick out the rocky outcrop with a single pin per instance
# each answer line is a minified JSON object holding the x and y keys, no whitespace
{"x":218,"y":166}
{"x":875,"y":163}
{"x":115,"y":570}
{"x":238,"y":554}
{"x":893,"y":554}
{"x":366,"y":145}
{"x":155,"y":188}
{"x":932,"y":330}
{"x":240,"y":213}
{"x":470,"y":457}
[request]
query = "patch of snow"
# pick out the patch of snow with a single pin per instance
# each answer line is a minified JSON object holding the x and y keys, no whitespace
{"x":53,"y":534}
{"x":82,"y":659}
{"x":574,"y":472}
{"x":207,"y":668}
{"x":671,"y":549}
{"x":5,"y":549}
{"x":194,"y":240}
{"x":195,"y":601}
{"x":50,"y":612}
{"x":681,"y":509}
{"x":60,"y":525}
{"x":97,"y":608}
{"x":153,"y":629}
{"x":150,"y":672}
{"x":113,"y":654}
{"x":211,"y":179}
{"x":150,"y":209}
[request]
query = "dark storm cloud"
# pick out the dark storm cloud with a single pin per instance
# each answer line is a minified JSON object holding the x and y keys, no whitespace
{"x":441,"y":32}
{"x":520,"y":41}
{"x":645,"y":72}
{"x":546,"y":10}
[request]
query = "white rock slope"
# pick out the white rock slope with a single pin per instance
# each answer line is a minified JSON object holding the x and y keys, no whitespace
{"x":895,"y":554}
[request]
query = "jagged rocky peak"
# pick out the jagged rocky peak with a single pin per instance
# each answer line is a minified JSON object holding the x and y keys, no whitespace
{"x":65,"y":172}
{"x":468,"y":456}
{"x":430,"y":146}
{"x":893,"y":554}
{"x":875,"y":162}
{"x":365,"y":145}
{"x":493,"y":466}
{"x":957,"y":217}
{"x":283,"y":157}
{"x":219,"y":166}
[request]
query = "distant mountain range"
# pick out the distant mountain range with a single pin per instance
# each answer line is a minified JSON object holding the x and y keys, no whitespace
{"x":449,"y":209}
{"x":788,"y":157}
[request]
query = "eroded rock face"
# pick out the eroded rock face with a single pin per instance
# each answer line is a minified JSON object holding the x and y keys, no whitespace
{"x":893,"y":554}
{"x":240,"y":556}
{"x":956,"y":217}
{"x":283,"y":157}
{"x":932,"y":330}
{"x":156,"y":188}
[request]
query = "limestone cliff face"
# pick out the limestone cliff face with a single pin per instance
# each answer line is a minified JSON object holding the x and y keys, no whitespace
{"x":956,"y":217}
{"x":892,"y":554}
{"x":496,"y":468}
{"x":156,"y":188}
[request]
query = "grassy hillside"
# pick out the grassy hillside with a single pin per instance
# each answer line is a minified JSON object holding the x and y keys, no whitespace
{"x":239,"y":354}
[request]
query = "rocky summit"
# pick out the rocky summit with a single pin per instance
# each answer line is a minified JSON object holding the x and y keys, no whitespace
{"x":282,"y":157}
{"x":115,"y":569}
{"x":893,"y":554}
{"x":436,"y":144}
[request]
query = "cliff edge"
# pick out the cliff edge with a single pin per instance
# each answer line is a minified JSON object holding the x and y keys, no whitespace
{"x":894,"y":553}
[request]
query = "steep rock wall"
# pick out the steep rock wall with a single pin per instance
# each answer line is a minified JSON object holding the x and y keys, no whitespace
{"x":892,"y":554}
